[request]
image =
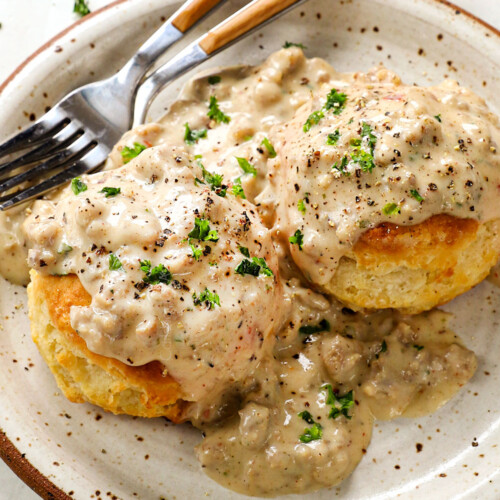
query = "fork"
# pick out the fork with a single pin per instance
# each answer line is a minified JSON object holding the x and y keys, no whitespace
{"x":99,"y":134}
{"x":78,"y":133}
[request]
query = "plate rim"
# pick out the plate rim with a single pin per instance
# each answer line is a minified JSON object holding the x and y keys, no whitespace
{"x":9,"y":453}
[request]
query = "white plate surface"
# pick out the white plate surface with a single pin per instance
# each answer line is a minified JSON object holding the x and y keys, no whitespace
{"x":91,"y":454}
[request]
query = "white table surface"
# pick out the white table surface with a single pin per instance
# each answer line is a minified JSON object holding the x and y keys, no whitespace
{"x":42,"y":19}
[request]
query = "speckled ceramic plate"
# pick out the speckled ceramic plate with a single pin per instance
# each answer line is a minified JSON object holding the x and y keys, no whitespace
{"x":63,"y":449}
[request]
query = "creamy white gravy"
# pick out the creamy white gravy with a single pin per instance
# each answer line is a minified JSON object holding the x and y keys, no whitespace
{"x":291,"y":381}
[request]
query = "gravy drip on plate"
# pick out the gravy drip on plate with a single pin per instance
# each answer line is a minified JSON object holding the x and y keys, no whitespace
{"x":288,"y":406}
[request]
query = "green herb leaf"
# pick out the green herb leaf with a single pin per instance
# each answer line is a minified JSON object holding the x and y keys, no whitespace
{"x":214,"y":79}
{"x":335,"y":101}
{"x":363,"y":159}
{"x":301,"y":206}
{"x":367,"y":133}
{"x":264,"y":268}
{"x":202,"y":231}
{"x":193,"y":136}
{"x":197,"y":252}
{"x":287,"y":45}
{"x":214,"y":112}
{"x":213,"y":180}
{"x":341,"y":167}
{"x":156,"y":275}
{"x":333,"y":138}
{"x":247,"y":167}
{"x":312,"y":433}
{"x":297,"y":239}
{"x":340,"y":404}
{"x":415,"y":194}
{"x":438,"y":118}
{"x":131,"y":153}
{"x":391,"y":209}
{"x":80,"y":7}
{"x":238,"y":189}
{"x":77,"y":186}
{"x":312,"y":119}
{"x":110,"y":191}
{"x":383,"y":348}
{"x":114,"y":263}
{"x":247,"y":267}
{"x":270,"y":148}
{"x":64,"y":248}
{"x":418,"y":347}
{"x":322,"y":326}
{"x":207,"y":298}
{"x":244,"y":251}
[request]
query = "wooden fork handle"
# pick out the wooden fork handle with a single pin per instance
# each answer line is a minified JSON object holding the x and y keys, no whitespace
{"x":192,"y":13}
{"x":248,"y":18}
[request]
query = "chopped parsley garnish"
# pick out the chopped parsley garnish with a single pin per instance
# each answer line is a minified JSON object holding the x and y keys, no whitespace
{"x":297,"y":239}
{"x":312,"y":433}
{"x":80,"y":7}
{"x":214,"y":79}
{"x":253,"y":267}
{"x":64,"y":248}
{"x":301,"y":206}
{"x":156,"y":275}
{"x":193,"y":136}
{"x":213,"y":180}
{"x":341,"y":166}
{"x":367,"y":133}
{"x":110,"y":191}
{"x":322,"y":326}
{"x":247,"y":267}
{"x":244,"y":251}
{"x":418,"y":347}
{"x":114,"y":263}
{"x":383,"y":348}
{"x":270,"y":148}
{"x":202,"y":231}
{"x":415,"y":194}
{"x":312,"y":119}
{"x":238,"y":189}
{"x":335,"y":101}
{"x":363,"y":159}
{"x":131,"y":153}
{"x":77,"y":186}
{"x":287,"y":45}
{"x":333,"y":138}
{"x":197,"y":252}
{"x":438,"y":118}
{"x":214,"y":112}
{"x":340,"y":404}
{"x":247,"y":167}
{"x":391,"y":209}
{"x":207,"y":298}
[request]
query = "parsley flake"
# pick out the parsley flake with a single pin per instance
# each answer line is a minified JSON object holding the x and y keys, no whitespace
{"x":244,"y":251}
{"x":114,"y":263}
{"x":202,"y":231}
{"x":312,"y":119}
{"x":215,"y":113}
{"x":129,"y":154}
{"x":214,"y":79}
{"x":80,"y":7}
{"x":438,"y":118}
{"x":297,"y":239}
{"x":341,"y":166}
{"x":322,"y":326}
{"x":197,"y":252}
{"x":415,"y":194}
{"x":418,"y":347}
{"x":77,"y":186}
{"x":270,"y":148}
{"x":247,"y":267}
{"x":213,"y":180}
{"x":207,"y":298}
{"x":363,"y":159}
{"x":340,"y":404}
{"x":301,"y":206}
{"x":156,"y":275}
{"x":391,"y":209}
{"x":193,"y":136}
{"x":333,"y":138}
{"x":367,"y":133}
{"x":238,"y":189}
{"x":312,"y":433}
{"x":335,"y":101}
{"x":110,"y":191}
{"x":287,"y":45}
{"x":247,"y":167}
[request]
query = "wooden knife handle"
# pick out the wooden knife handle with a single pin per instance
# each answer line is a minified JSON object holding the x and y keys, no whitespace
{"x":192,"y":13}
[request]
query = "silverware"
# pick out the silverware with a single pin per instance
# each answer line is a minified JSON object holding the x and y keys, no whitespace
{"x":78,"y":133}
